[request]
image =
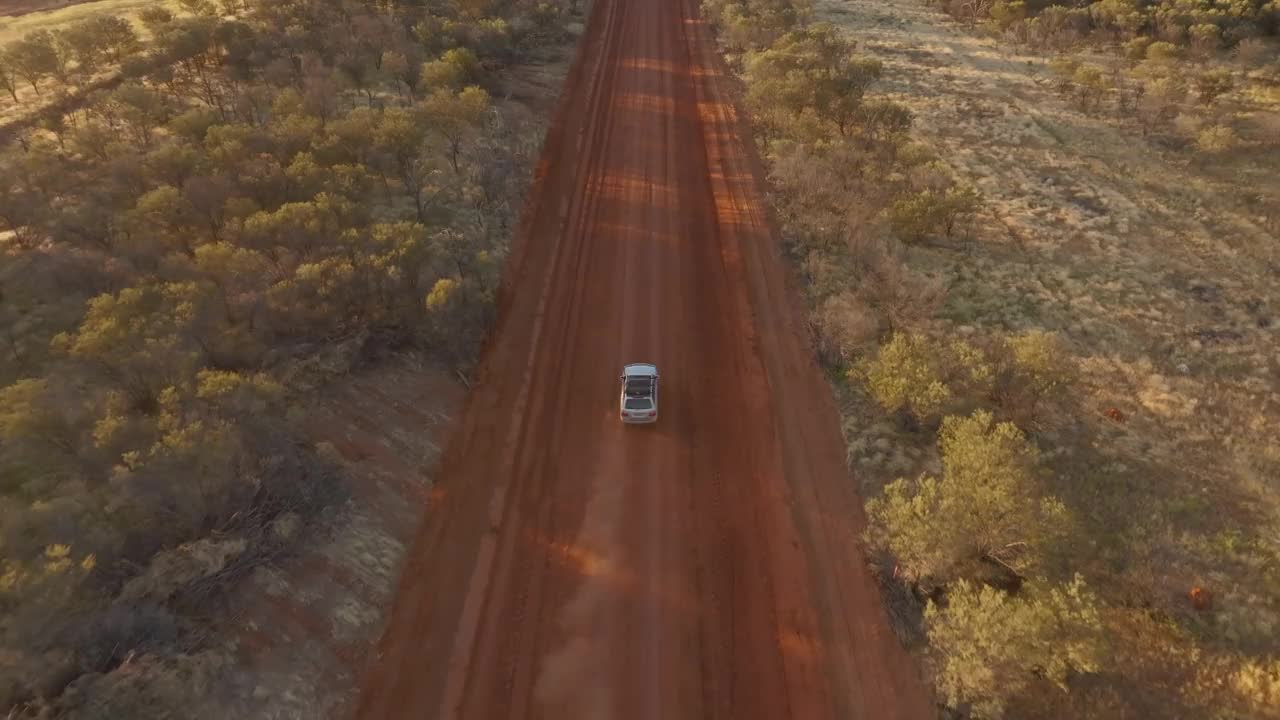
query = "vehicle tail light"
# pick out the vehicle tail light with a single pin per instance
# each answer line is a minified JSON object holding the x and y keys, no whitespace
{"x":653,"y":413}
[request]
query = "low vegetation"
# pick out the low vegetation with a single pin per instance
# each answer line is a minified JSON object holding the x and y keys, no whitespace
{"x":274,"y":193}
{"x":1048,"y":553}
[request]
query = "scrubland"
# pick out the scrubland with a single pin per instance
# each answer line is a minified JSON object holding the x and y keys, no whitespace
{"x":1039,"y":245}
{"x":269,"y":206}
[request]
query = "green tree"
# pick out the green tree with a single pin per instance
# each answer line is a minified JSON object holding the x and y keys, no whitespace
{"x":164,"y":214}
{"x":40,"y":441}
{"x":1162,"y":54}
{"x":295,"y":232}
{"x":882,"y":120}
{"x":459,"y":311}
{"x":990,"y":646}
{"x":456,"y":118}
{"x":38,"y":594}
{"x":142,"y":339}
{"x":140,"y":109}
{"x":812,"y":70}
{"x":755,"y":24}
{"x":1212,"y":84}
{"x":172,"y":163}
{"x":34,"y":58}
{"x":1206,"y":38}
{"x":916,"y":373}
{"x":1007,"y":13}
{"x":8,"y":76}
{"x":1216,"y":139}
{"x":119,"y":37}
{"x":198,"y":7}
{"x":455,"y":69}
{"x":1159,"y":103}
{"x":81,"y":43}
{"x":986,"y":508}
{"x":157,"y":19}
{"x":21,"y":213}
{"x":401,"y":138}
{"x":1090,"y":86}
{"x":918,"y":215}
{"x":1035,"y":373}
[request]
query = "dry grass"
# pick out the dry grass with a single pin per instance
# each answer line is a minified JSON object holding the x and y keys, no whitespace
{"x":1158,"y":268}
{"x":13,"y":8}
{"x":13,"y":28}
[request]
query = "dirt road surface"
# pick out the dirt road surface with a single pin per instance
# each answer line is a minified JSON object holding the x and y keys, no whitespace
{"x":703,"y":567}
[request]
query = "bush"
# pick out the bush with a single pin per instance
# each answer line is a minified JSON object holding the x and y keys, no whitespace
{"x":1159,"y":103}
{"x":923,"y":376}
{"x":1090,"y":86}
{"x":846,"y":326}
{"x":1005,"y":14}
{"x":1216,"y":139}
{"x":1035,"y":374}
{"x":903,"y":299}
{"x":811,"y":70}
{"x":1136,"y":49}
{"x":1162,"y":53}
{"x":1212,"y":84}
{"x":926,"y":213}
{"x":984,"y":515}
{"x":989,"y":646}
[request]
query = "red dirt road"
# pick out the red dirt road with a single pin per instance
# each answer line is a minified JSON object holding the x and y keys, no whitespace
{"x":703,"y":567}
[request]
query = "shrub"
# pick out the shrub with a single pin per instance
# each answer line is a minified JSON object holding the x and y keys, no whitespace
{"x":1064,"y":69}
{"x":902,"y":298}
{"x":990,"y":646}
{"x":1035,"y":373}
{"x":1006,"y":13}
{"x":812,"y":70}
{"x":1212,"y":84}
{"x":916,"y":373}
{"x":1090,"y":86}
{"x":985,"y":509}
{"x":1205,"y":39}
{"x":926,"y":213}
{"x":1253,"y":52}
{"x":846,"y":326}
{"x":1162,"y":53}
{"x":1159,"y":103}
{"x":1216,"y":139}
{"x":1136,"y":49}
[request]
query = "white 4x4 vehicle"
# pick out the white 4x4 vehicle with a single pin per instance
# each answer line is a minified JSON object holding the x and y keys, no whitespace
{"x":639,"y":401}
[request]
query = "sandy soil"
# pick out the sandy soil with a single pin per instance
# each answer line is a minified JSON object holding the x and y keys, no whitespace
{"x":704,"y":567}
{"x":1151,"y":262}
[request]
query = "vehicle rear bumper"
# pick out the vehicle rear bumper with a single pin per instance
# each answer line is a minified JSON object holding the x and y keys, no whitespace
{"x":642,"y":420}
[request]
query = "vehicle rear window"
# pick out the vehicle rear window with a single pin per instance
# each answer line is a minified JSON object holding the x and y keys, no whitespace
{"x":638,"y":404}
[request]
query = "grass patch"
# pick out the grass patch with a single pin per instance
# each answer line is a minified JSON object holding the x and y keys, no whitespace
{"x":14,"y":28}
